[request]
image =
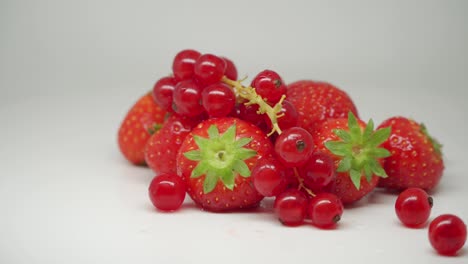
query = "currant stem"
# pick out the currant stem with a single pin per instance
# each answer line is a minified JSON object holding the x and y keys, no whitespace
{"x":301,"y":183}
{"x":252,"y":97}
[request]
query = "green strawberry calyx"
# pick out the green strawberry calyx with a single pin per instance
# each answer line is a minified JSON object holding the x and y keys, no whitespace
{"x":220,"y":157}
{"x":359,"y":150}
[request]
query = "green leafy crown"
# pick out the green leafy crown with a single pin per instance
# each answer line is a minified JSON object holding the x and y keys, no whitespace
{"x":220,"y":157}
{"x":359,"y":150}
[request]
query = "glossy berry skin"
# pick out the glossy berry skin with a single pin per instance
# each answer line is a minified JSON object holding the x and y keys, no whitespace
{"x":269,"y":85}
{"x":218,"y":100}
{"x":289,"y":118}
{"x":269,"y":177}
{"x":325,"y":210}
{"x":167,"y":192}
{"x":416,"y":159}
{"x":318,"y":172}
{"x":183,"y":64}
{"x":162,"y":147}
{"x":294,"y":147}
{"x":163,"y":91}
{"x":318,"y":101}
{"x":447,"y":234}
{"x":249,"y":114}
{"x":141,"y":121}
{"x":413,"y":207}
{"x":209,"y":69}
{"x":188,"y":98}
{"x":291,"y":207}
{"x":231,"y":70}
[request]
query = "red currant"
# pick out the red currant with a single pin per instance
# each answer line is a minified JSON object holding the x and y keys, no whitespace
{"x":249,"y":114}
{"x":447,"y":234}
{"x":291,"y":207}
{"x":413,"y":207}
{"x":218,"y":100}
{"x":289,"y":119}
{"x":209,"y":69}
{"x":318,"y":172}
{"x":294,"y":147}
{"x":183,"y":64}
{"x":167,"y":192}
{"x":231,"y":70}
{"x":269,"y":177}
{"x":269,"y":85}
{"x":163,"y":92}
{"x":188,"y":98}
{"x":325,"y":210}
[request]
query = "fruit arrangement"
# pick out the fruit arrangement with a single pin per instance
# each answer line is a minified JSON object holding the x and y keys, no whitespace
{"x":229,"y":145}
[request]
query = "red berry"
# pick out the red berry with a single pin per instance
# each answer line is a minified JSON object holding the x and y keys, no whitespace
{"x":163,"y":91}
{"x":289,"y":118}
{"x":249,"y":114}
{"x":209,"y":69}
{"x":447,"y":234}
{"x":218,"y":100}
{"x":318,"y":172}
{"x":269,"y":85}
{"x":325,"y":210}
{"x":413,"y":207}
{"x":167,"y":192}
{"x":291,"y":207}
{"x":183,"y":64}
{"x":188,"y":98}
{"x":231,"y":70}
{"x":269,"y":177}
{"x":294,"y":147}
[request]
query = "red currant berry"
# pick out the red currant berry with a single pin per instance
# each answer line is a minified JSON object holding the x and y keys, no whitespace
{"x":249,"y":114}
{"x":294,"y":147}
{"x":413,"y":207}
{"x":218,"y":100}
{"x":183,"y":64}
{"x":188,"y":98}
{"x":318,"y":172}
{"x":163,"y":91}
{"x":325,"y":210}
{"x":269,"y":177}
{"x":209,"y":69}
{"x":167,"y":192}
{"x":231,"y":70}
{"x":447,"y":234}
{"x":291,"y":207}
{"x":269,"y":85}
{"x":289,"y":119}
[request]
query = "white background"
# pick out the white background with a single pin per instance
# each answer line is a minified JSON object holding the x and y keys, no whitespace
{"x":69,"y":71}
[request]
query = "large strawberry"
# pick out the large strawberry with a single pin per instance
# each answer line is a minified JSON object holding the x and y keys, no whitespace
{"x":216,"y":160}
{"x":162,"y":147}
{"x":142,"y":120}
{"x":355,"y":147}
{"x":416,"y":159}
{"x":317,"y":101}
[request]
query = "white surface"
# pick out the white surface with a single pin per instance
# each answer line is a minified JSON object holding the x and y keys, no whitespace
{"x":70,"y":70}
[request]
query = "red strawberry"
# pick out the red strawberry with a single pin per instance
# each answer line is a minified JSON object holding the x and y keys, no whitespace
{"x":355,"y":148}
{"x":216,"y":160}
{"x":162,"y":147}
{"x":416,"y":159}
{"x":317,"y":101}
{"x":143,"y":119}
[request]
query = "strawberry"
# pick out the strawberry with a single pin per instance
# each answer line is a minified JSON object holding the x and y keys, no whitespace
{"x":216,"y":160}
{"x":142,"y":120}
{"x":317,"y":101}
{"x":162,"y":147}
{"x":416,"y":159}
{"x":354,"y":146}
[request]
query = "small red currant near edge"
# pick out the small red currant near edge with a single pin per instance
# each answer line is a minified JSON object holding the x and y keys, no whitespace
{"x":183,"y":64}
{"x":447,"y":234}
{"x":163,"y":91}
{"x":291,"y":207}
{"x":413,"y":207}
{"x":269,"y":85}
{"x":269,"y":177}
{"x":209,"y":69}
{"x":167,"y":192}
{"x":325,"y":210}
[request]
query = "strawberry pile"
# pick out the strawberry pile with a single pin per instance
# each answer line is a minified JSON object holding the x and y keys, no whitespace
{"x":228,"y":145}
